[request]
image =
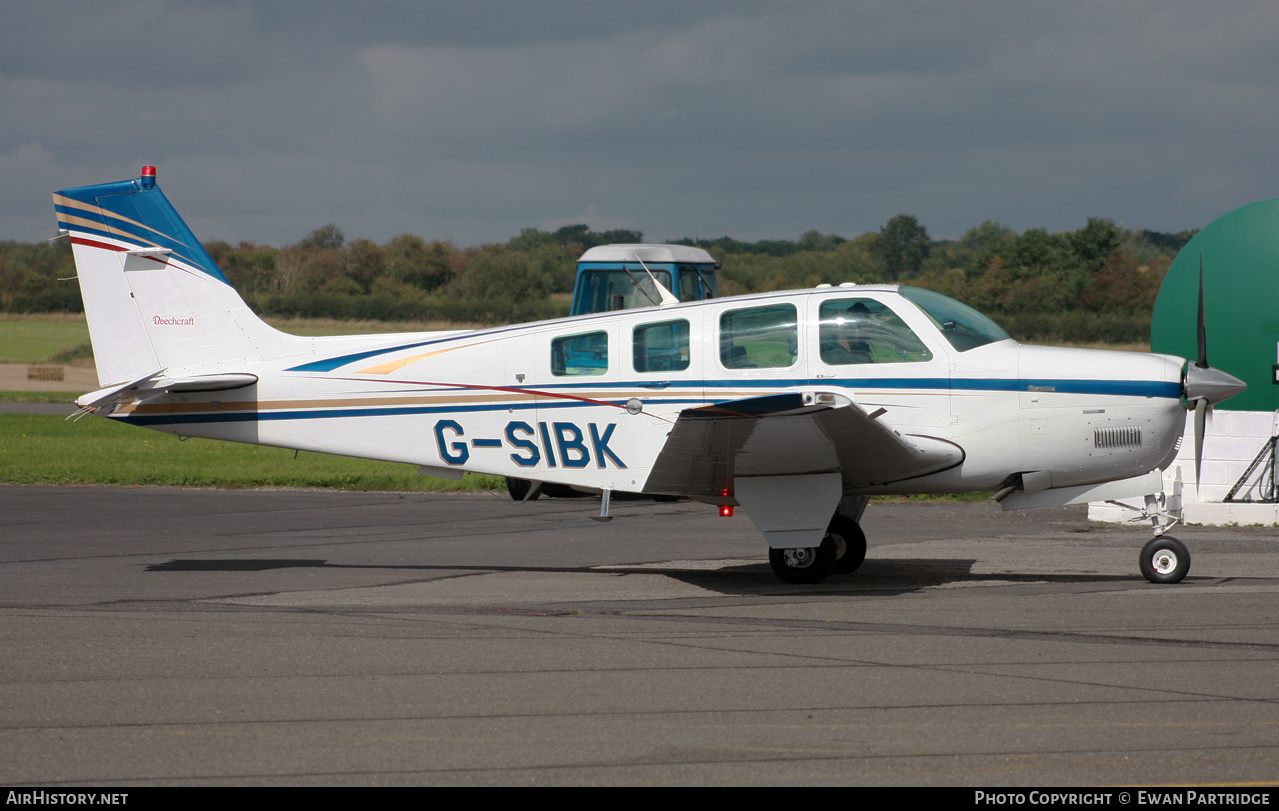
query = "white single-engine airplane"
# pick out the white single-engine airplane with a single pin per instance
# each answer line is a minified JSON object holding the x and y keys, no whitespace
{"x":796,"y":405}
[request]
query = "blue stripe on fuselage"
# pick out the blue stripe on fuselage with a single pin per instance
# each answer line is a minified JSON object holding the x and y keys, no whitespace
{"x":1123,"y":388}
{"x":1137,"y":388}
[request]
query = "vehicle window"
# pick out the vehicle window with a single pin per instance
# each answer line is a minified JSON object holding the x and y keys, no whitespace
{"x":601,"y":291}
{"x":963,"y":326}
{"x":688,"y":284}
{"x":585,"y":354}
{"x":759,"y":337}
{"x":701,"y":282}
{"x":697,"y":283}
{"x":861,"y":330}
{"x":661,"y":347}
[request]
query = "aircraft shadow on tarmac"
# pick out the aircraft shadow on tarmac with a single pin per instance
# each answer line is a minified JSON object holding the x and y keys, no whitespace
{"x":886,"y":576}
{"x":876,"y":576}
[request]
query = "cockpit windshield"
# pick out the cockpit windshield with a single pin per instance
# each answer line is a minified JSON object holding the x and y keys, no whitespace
{"x":963,"y":326}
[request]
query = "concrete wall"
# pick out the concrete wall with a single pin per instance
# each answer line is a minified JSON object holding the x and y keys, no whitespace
{"x":1231,"y":442}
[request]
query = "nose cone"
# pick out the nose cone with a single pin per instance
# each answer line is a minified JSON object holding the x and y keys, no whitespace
{"x":1213,"y":385}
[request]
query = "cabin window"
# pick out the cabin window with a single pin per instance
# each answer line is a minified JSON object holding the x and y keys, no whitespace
{"x":862,"y":330}
{"x":585,"y":354}
{"x":759,"y":337}
{"x":661,"y":347}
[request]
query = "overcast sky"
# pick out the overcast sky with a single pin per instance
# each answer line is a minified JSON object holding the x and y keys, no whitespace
{"x":471,"y":120}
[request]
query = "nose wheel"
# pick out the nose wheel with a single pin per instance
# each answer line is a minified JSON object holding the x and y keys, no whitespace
{"x":1164,"y":560}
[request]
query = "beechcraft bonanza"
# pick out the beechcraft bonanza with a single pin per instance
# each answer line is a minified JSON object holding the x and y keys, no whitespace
{"x":796,"y":405}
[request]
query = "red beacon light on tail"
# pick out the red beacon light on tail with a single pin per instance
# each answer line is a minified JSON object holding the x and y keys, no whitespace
{"x":148,"y":177}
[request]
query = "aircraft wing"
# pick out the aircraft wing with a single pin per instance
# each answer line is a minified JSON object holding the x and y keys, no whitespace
{"x":791,"y":434}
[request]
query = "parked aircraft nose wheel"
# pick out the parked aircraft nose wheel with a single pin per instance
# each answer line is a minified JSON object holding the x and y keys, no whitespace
{"x":804,"y":564}
{"x":1165,"y":560}
{"x":850,"y":543}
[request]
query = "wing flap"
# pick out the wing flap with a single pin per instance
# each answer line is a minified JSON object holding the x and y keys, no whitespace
{"x":791,"y":435}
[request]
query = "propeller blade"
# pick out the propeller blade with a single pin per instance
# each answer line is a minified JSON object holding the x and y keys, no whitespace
{"x":1204,"y":386}
{"x":1200,"y":382}
{"x":1202,"y":363}
{"x":1201,"y":415}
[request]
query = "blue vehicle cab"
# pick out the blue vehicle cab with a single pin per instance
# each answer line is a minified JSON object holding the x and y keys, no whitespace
{"x":620,"y":277}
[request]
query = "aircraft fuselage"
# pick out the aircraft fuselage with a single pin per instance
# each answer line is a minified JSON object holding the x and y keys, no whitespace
{"x":589,"y":401}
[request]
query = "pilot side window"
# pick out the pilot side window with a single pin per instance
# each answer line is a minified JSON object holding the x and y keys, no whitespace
{"x":759,"y":337}
{"x":661,"y":347}
{"x":585,"y":354}
{"x":863,"y":330}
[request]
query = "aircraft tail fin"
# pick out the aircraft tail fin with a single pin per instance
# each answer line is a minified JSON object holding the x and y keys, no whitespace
{"x":153,"y":297}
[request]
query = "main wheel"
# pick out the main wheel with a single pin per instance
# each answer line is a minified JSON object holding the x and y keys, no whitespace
{"x":850,"y":543}
{"x":1164,"y":560}
{"x":518,"y":488}
{"x":804,"y":564}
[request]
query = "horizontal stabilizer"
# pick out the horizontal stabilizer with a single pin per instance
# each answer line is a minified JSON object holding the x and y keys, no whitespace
{"x":215,"y":382}
{"x":157,"y":382}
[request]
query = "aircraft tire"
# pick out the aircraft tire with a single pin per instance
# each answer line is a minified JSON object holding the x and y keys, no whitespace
{"x":1164,"y":560}
{"x":518,"y":488}
{"x":850,"y":543}
{"x":804,"y":565}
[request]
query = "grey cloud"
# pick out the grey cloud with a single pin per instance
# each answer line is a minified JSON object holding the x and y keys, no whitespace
{"x":471,"y":120}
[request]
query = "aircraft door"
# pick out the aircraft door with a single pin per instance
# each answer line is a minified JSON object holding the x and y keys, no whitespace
{"x":666,"y":365}
{"x":664,"y":370}
{"x":571,"y":434}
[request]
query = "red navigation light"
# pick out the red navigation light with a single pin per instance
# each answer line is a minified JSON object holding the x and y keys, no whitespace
{"x":148,"y":171}
{"x":148,"y":177}
{"x":726,"y":510}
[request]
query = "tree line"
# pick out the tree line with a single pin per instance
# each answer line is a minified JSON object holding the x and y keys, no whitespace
{"x":1097,"y":283}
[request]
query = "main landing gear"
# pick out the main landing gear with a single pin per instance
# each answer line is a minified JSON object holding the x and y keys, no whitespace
{"x":519,"y":490}
{"x":842,"y":551}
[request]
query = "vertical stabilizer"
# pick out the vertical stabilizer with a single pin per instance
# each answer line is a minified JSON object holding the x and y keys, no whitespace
{"x":153,"y":297}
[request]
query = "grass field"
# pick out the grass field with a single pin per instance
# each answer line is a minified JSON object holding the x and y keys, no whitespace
{"x":44,"y":449}
{"x":37,"y":396}
{"x":39,"y":337}
{"x":36,"y":338}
